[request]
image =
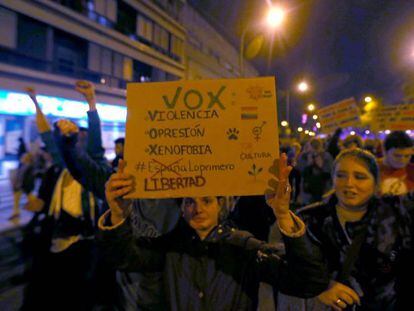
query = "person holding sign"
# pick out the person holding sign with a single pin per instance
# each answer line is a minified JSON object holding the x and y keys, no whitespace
{"x":366,"y":240}
{"x":206,"y":263}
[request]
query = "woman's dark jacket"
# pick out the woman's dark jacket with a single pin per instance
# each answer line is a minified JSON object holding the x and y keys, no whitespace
{"x":384,"y":267}
{"x":222,"y":272}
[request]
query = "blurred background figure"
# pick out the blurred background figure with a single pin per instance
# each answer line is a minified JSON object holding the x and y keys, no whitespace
{"x":397,"y":173}
{"x":119,"y":152}
{"x":23,"y":181}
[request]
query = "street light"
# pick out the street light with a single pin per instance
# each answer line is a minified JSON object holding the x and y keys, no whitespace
{"x":275,"y":17}
{"x":311,"y":107}
{"x":284,"y":123}
{"x":315,"y":117}
{"x":368,"y":99}
{"x":300,"y":129}
{"x":274,"y":20}
{"x":303,"y":87}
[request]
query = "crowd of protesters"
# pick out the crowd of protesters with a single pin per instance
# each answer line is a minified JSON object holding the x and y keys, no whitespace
{"x":344,"y":207}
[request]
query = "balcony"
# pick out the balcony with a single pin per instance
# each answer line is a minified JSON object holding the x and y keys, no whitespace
{"x":12,"y":57}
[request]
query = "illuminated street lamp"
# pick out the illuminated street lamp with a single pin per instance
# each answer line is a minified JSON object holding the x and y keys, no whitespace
{"x":303,"y":87}
{"x":318,"y":125}
{"x":315,"y":117}
{"x":274,"y":20}
{"x":307,"y":132}
{"x":368,"y":99}
{"x":311,"y":107}
{"x":275,"y":17}
{"x":284,"y":123}
{"x":300,"y":129}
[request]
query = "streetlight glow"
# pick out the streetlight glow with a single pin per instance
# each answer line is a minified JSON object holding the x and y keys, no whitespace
{"x":311,"y":107}
{"x":275,"y":17}
{"x":368,"y":99}
{"x":303,"y":87}
{"x":307,"y":132}
{"x":352,"y":133}
{"x":318,"y":125}
{"x":315,"y":117}
{"x":284,"y":123}
{"x":367,"y":132}
{"x":300,"y":129}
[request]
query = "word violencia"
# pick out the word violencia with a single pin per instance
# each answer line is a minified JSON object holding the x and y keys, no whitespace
{"x":172,"y":115}
{"x":163,"y":183}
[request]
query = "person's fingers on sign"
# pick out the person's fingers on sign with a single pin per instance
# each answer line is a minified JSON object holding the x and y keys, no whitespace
{"x":339,"y":296}
{"x":278,"y":196}
{"x":67,"y":127}
{"x":119,"y":185}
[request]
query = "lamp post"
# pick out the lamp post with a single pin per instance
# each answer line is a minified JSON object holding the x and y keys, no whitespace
{"x":274,"y":19}
{"x":302,"y":87}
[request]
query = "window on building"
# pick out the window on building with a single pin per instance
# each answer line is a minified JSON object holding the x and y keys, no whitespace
{"x":126,"y":19}
{"x":128,"y":70}
{"x":118,"y":65}
{"x":142,"y":71}
{"x":70,"y":54}
{"x":106,"y":11}
{"x":161,"y":37}
{"x":177,"y":46}
{"x":76,"y":5}
{"x":31,"y":37}
{"x":8,"y":25}
{"x":31,"y":43}
{"x":106,"y":61}
{"x":144,"y":28}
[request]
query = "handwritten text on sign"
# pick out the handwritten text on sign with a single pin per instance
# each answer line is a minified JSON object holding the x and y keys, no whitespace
{"x":199,"y":138}
{"x":341,"y":114}
{"x":395,"y":118}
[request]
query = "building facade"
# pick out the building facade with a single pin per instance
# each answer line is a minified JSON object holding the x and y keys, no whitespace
{"x":49,"y":44}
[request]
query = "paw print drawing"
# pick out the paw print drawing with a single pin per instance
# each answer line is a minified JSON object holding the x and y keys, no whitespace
{"x":233,"y":134}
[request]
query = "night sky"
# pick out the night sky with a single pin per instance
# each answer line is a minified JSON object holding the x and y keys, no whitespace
{"x":344,"y":48}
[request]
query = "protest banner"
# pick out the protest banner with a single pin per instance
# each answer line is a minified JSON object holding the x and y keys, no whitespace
{"x":394,"y":118}
{"x":341,"y":114}
{"x":201,"y":138}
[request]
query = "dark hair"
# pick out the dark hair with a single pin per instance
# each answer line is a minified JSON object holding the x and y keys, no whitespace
{"x":353,"y":139}
{"x":397,"y":139}
{"x":119,"y":140}
{"x":316,"y":143}
{"x":363,"y":155}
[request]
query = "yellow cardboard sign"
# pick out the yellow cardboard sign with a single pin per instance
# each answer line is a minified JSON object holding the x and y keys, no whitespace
{"x":341,"y":114}
{"x":394,"y":118}
{"x":201,"y":138}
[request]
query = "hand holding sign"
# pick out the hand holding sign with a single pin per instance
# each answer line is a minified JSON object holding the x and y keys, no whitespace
{"x":278,"y":197}
{"x":119,"y":185}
